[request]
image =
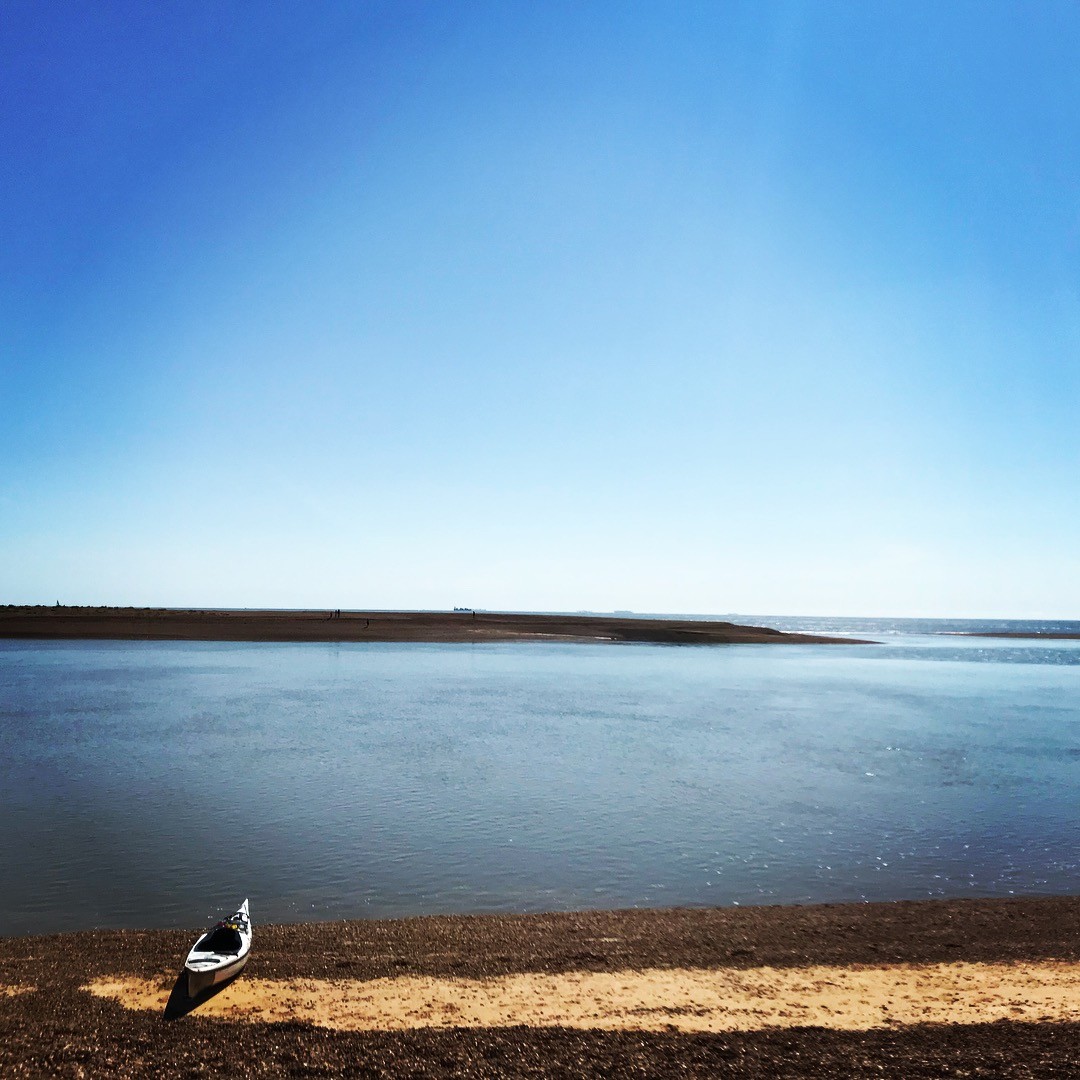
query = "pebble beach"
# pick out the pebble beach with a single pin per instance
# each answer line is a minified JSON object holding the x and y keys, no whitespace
{"x":922,"y":989}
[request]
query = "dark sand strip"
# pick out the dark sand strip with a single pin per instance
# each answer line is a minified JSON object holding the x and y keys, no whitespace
{"x":1029,"y":635}
{"x":169,"y":624}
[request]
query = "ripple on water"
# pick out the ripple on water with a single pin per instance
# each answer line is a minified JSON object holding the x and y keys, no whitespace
{"x":160,"y":781}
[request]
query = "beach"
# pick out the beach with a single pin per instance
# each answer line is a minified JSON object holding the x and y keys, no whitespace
{"x":918,"y":989}
{"x":177,"y":624}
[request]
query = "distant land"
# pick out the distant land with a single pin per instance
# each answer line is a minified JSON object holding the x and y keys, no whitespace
{"x":180,"y":624}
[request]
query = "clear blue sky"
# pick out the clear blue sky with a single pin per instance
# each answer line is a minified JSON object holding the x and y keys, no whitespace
{"x":717,"y":307}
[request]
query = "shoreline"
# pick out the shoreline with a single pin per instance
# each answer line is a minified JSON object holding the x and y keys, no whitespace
{"x":1027,"y":635}
{"x":457,"y":627}
{"x":905,"y":989}
{"x":782,"y":935}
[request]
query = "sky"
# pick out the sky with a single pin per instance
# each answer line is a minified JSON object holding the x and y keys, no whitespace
{"x":699,"y":307}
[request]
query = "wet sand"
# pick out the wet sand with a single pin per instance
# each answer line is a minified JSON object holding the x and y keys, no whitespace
{"x":942,"y":988}
{"x":174,"y":624}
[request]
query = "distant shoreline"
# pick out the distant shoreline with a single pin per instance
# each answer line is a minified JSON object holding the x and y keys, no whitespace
{"x":1045,"y":635}
{"x":176,"y":624}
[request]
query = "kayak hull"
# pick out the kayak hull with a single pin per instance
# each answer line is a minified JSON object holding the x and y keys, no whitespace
{"x":220,"y":954}
{"x":200,"y":980}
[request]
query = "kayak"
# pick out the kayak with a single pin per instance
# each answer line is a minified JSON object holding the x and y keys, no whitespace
{"x":220,"y":953}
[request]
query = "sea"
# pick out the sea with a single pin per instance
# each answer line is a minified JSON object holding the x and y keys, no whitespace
{"x":158,"y":784}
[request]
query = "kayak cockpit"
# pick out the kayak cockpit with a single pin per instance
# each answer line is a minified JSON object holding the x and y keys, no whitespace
{"x":222,"y":939}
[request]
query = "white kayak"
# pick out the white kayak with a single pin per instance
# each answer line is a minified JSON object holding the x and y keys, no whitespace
{"x":220,"y":953}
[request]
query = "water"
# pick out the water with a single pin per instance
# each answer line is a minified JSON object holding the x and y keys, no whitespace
{"x":158,"y":783}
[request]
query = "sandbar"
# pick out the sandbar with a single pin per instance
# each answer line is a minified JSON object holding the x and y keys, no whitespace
{"x":176,"y":624}
{"x":1027,"y":635}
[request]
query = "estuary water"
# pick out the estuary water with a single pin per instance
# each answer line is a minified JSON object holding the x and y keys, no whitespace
{"x":154,"y":784}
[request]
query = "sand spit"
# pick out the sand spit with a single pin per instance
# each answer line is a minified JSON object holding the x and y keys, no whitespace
{"x":680,"y":999}
{"x":1027,"y":635}
{"x":171,"y":624}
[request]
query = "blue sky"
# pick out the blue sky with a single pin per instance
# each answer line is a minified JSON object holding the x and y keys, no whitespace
{"x":718,"y":307}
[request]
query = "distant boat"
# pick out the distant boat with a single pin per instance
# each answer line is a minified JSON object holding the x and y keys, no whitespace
{"x":220,"y":953}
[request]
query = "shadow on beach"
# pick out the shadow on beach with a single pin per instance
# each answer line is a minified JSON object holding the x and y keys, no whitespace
{"x":180,"y":1004}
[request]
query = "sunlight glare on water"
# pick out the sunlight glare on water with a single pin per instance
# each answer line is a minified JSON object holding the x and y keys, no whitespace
{"x":154,"y":783}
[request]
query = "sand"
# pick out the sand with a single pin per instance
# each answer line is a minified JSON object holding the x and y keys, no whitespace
{"x":656,"y":999}
{"x":171,"y":624}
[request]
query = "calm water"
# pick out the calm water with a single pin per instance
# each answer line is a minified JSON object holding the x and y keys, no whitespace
{"x":155,"y":784}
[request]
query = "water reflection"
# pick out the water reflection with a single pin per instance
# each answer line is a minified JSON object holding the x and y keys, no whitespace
{"x":161,"y":780}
